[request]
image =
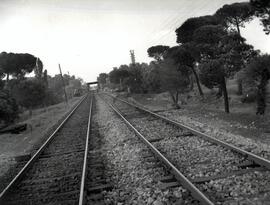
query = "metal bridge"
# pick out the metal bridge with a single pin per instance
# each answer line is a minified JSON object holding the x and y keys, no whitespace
{"x":92,"y":83}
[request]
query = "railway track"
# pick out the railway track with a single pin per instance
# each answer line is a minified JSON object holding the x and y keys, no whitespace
{"x":96,"y":180}
{"x":56,"y":173}
{"x":214,"y":171}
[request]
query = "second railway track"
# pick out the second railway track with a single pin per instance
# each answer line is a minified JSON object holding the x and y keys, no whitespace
{"x":222,"y":173}
{"x":54,"y":173}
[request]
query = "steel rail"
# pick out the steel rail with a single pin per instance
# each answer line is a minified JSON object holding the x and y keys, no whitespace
{"x":81,"y":199}
{"x":253,"y":157}
{"x":22,"y":172}
{"x":196,"y":193}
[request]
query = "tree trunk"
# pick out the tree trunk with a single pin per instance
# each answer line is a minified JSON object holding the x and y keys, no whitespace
{"x":175,"y":100}
{"x":225,"y":95}
{"x":219,"y":93}
{"x":197,"y":81}
{"x":191,"y":82}
{"x":238,"y":29}
{"x":261,"y":102}
{"x":240,"y":87}
{"x":176,"y":97}
{"x":30,"y":112}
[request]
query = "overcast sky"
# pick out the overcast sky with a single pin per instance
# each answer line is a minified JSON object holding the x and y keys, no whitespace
{"x":88,"y":37}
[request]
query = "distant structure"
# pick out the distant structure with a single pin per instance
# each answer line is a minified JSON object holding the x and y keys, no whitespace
{"x":132,"y":56}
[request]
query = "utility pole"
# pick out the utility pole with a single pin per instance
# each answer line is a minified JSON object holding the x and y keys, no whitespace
{"x":132,"y":56}
{"x":64,"y":87}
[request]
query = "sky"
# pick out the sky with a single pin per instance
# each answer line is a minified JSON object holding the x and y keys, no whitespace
{"x":88,"y":37}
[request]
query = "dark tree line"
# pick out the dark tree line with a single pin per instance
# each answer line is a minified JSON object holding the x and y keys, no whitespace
{"x":211,"y":50}
{"x":18,"y":92}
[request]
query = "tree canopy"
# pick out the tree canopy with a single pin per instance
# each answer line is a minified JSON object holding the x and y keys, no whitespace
{"x":117,"y":75}
{"x":185,"y":32}
{"x":262,"y":10}
{"x":17,"y":64}
{"x":235,"y":15}
{"x":157,"y":52}
{"x":102,"y":78}
{"x":259,"y":71}
{"x":29,"y":93}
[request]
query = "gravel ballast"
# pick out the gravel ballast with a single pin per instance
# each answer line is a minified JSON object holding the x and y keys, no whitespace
{"x":197,"y":158}
{"x":136,"y":181}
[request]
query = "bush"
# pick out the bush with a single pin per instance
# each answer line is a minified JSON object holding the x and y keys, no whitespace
{"x":249,"y":97}
{"x":8,"y":108}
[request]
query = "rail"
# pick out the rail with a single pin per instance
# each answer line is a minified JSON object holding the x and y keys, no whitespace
{"x":81,"y":199}
{"x":22,"y":172}
{"x":253,"y":157}
{"x":196,"y":193}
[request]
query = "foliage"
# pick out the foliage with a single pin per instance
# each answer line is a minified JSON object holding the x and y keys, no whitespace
{"x":2,"y":75}
{"x":8,"y":108}
{"x":157,"y":52}
{"x":186,"y":62}
{"x":258,"y":70}
{"x":134,"y":80}
{"x":212,"y":73}
{"x":38,"y":69}
{"x":235,"y":15}
{"x":56,"y":89}
{"x":180,"y":55}
{"x":17,"y":64}
{"x":262,"y":10}
{"x":118,"y":75}
{"x":102,"y":78}
{"x":222,"y":55}
{"x":29,"y":93}
{"x":207,"y":39}
{"x":174,"y":79}
{"x":151,"y":77}
{"x":186,"y":31}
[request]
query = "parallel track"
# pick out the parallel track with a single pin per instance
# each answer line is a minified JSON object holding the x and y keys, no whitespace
{"x":56,"y":172}
{"x":196,"y":193}
{"x":252,"y":163}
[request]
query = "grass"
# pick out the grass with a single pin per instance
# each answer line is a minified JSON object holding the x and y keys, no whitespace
{"x":242,"y":118}
{"x":38,"y":128}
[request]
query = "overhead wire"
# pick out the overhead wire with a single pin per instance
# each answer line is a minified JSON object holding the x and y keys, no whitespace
{"x":174,"y":22}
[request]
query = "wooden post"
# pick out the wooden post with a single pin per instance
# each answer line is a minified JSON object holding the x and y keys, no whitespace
{"x":63,"y":84}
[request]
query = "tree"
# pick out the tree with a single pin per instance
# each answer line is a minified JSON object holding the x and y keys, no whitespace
{"x":235,"y":15}
{"x":151,"y":77}
{"x":16,"y":64}
{"x":29,"y":93}
{"x":212,"y":74}
{"x":173,"y":79}
{"x":262,"y":10}
{"x":45,"y":78}
{"x":185,"y":32}
{"x":38,"y":69}
{"x":220,"y":59}
{"x":55,"y":84}
{"x":259,"y":71}
{"x":8,"y":108}
{"x":117,"y":76}
{"x":134,"y":81}
{"x":2,"y":75}
{"x":157,"y":52}
{"x":183,"y":58}
{"x":102,"y":78}
{"x":187,"y":37}
{"x":238,"y":54}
